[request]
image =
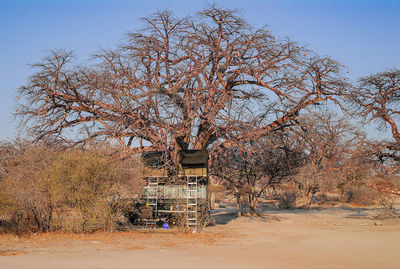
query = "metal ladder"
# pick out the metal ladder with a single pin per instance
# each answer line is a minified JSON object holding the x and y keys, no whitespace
{"x":152,"y":198}
{"x":192,"y":195}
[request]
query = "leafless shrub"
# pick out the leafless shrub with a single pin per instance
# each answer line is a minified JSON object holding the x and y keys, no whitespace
{"x":179,"y":220}
{"x":330,"y":144}
{"x":287,"y":200}
{"x":7,"y":153}
{"x":208,"y":221}
{"x":357,"y":194}
{"x":387,"y":209}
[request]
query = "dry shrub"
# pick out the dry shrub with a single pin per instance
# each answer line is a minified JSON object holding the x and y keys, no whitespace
{"x":387,"y":209}
{"x":78,"y":184}
{"x":322,"y":197}
{"x":72,"y":190}
{"x":128,"y":180}
{"x":178,"y":220}
{"x":7,"y":153}
{"x":11,"y":252}
{"x":84,"y":188}
{"x":357,"y":194}
{"x":27,"y":208}
{"x":387,"y":182}
{"x":7,"y":204}
{"x":285,"y":194}
{"x":208,"y":221}
{"x":287,"y":200}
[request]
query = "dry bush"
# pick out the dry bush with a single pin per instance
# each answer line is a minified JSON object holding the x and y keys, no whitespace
{"x":84,"y":189}
{"x":388,"y":182}
{"x":28,"y":208}
{"x":387,"y":209}
{"x":71,"y":190}
{"x":7,"y":206}
{"x":285,"y":194}
{"x":287,"y":200}
{"x":178,"y":220}
{"x":308,"y":181}
{"x":128,"y":181}
{"x":7,"y":153}
{"x":7,"y":203}
{"x":357,"y":194}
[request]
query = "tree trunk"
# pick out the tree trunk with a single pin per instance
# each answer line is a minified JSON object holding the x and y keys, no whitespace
{"x":239,"y":210}
{"x":212,"y":200}
{"x":253,"y":205}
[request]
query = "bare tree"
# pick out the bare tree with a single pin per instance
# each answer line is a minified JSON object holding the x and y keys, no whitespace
{"x":179,"y":83}
{"x":252,"y":167}
{"x":377,"y":99}
{"x":337,"y":153}
{"x":330,"y":144}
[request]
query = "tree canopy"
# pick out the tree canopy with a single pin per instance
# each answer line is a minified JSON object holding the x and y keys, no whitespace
{"x":179,"y":83}
{"x":377,"y":98}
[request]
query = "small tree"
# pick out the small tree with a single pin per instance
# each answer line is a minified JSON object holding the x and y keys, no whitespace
{"x":377,"y":99}
{"x":252,"y":167}
{"x":330,"y":145}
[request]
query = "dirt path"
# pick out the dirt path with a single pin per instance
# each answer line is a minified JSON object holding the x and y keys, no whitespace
{"x":336,"y":238}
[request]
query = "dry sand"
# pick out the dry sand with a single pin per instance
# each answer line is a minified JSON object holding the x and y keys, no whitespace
{"x":331,"y":238}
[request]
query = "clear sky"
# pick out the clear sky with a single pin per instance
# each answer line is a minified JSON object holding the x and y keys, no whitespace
{"x":364,"y":35}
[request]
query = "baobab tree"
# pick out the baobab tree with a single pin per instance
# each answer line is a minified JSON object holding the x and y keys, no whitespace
{"x":179,"y":83}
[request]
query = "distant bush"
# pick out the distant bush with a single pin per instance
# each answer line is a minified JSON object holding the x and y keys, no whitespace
{"x":357,"y":194}
{"x":287,"y":200}
{"x":7,"y":204}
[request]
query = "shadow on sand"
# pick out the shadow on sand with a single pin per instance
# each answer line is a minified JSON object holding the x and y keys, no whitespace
{"x":225,"y":215}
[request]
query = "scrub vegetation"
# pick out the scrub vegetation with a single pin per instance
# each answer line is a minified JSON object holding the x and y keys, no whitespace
{"x":265,"y":108}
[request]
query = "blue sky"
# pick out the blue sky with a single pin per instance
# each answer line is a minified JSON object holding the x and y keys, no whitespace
{"x":364,"y":35}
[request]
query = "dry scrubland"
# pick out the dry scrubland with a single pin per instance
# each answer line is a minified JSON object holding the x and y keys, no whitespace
{"x":336,"y":237}
{"x":204,"y":81}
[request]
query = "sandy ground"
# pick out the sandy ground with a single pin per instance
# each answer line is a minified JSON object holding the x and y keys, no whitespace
{"x":331,"y":238}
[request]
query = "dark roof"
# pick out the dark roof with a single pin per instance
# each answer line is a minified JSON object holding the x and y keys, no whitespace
{"x":188,"y":158}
